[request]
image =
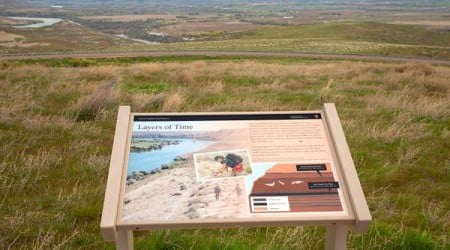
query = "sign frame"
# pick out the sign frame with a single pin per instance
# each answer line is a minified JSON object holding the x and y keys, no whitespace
{"x":357,"y":213}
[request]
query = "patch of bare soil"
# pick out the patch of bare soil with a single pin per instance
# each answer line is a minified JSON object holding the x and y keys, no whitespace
{"x":197,"y":28}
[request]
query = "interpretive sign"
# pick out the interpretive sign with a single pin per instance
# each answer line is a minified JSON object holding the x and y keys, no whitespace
{"x":194,"y":170}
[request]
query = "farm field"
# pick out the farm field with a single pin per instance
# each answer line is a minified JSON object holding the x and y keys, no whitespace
{"x":57,"y":119}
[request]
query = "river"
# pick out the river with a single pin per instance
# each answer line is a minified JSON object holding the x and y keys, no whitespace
{"x":137,"y":40}
{"x":41,"y":22}
{"x":152,"y":160}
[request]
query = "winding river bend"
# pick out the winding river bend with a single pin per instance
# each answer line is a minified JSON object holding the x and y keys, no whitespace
{"x":40,"y":22}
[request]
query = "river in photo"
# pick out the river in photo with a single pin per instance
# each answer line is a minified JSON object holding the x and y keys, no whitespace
{"x":41,"y":22}
{"x":152,"y":160}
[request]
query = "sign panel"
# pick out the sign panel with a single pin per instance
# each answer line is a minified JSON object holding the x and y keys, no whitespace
{"x":205,"y":167}
{"x":198,"y":170}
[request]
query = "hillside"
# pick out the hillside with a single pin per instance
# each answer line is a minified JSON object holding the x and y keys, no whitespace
{"x":360,"y":38}
{"x":369,"y":38}
{"x":57,"y":124}
{"x":401,"y":3}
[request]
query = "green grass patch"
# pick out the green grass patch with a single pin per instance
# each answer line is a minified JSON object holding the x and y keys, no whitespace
{"x":382,"y":236}
{"x":145,"y":87}
{"x":354,"y":31}
{"x":241,"y":80}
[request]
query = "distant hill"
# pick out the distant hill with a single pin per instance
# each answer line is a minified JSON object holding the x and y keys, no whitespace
{"x":194,"y":3}
{"x":12,"y":3}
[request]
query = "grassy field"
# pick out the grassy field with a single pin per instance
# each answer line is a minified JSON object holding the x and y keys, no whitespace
{"x":57,"y":121}
{"x":366,"y":38}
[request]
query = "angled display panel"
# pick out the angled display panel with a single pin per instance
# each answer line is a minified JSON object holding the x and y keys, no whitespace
{"x":195,"y":170}
{"x":230,"y":168}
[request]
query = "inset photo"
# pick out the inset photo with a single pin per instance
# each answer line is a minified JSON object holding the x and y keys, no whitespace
{"x":230,"y":163}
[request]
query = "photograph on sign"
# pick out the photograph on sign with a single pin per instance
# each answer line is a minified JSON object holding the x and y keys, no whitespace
{"x":231,"y":163}
{"x":247,"y":166}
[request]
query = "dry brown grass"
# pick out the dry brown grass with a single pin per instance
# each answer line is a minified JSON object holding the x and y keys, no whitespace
{"x":411,"y":87}
{"x":6,"y":37}
{"x":173,"y":102}
{"x":404,"y":105}
{"x":215,"y":87}
{"x":93,"y":74}
{"x":446,"y":135}
{"x":185,"y":76}
{"x":414,"y":69}
{"x":198,"y":65}
{"x":57,"y":126}
{"x":11,"y":40}
{"x":90,"y":106}
{"x":142,"y":101}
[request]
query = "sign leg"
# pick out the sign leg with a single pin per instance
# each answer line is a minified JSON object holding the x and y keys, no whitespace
{"x":124,"y":240}
{"x":336,"y":237}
